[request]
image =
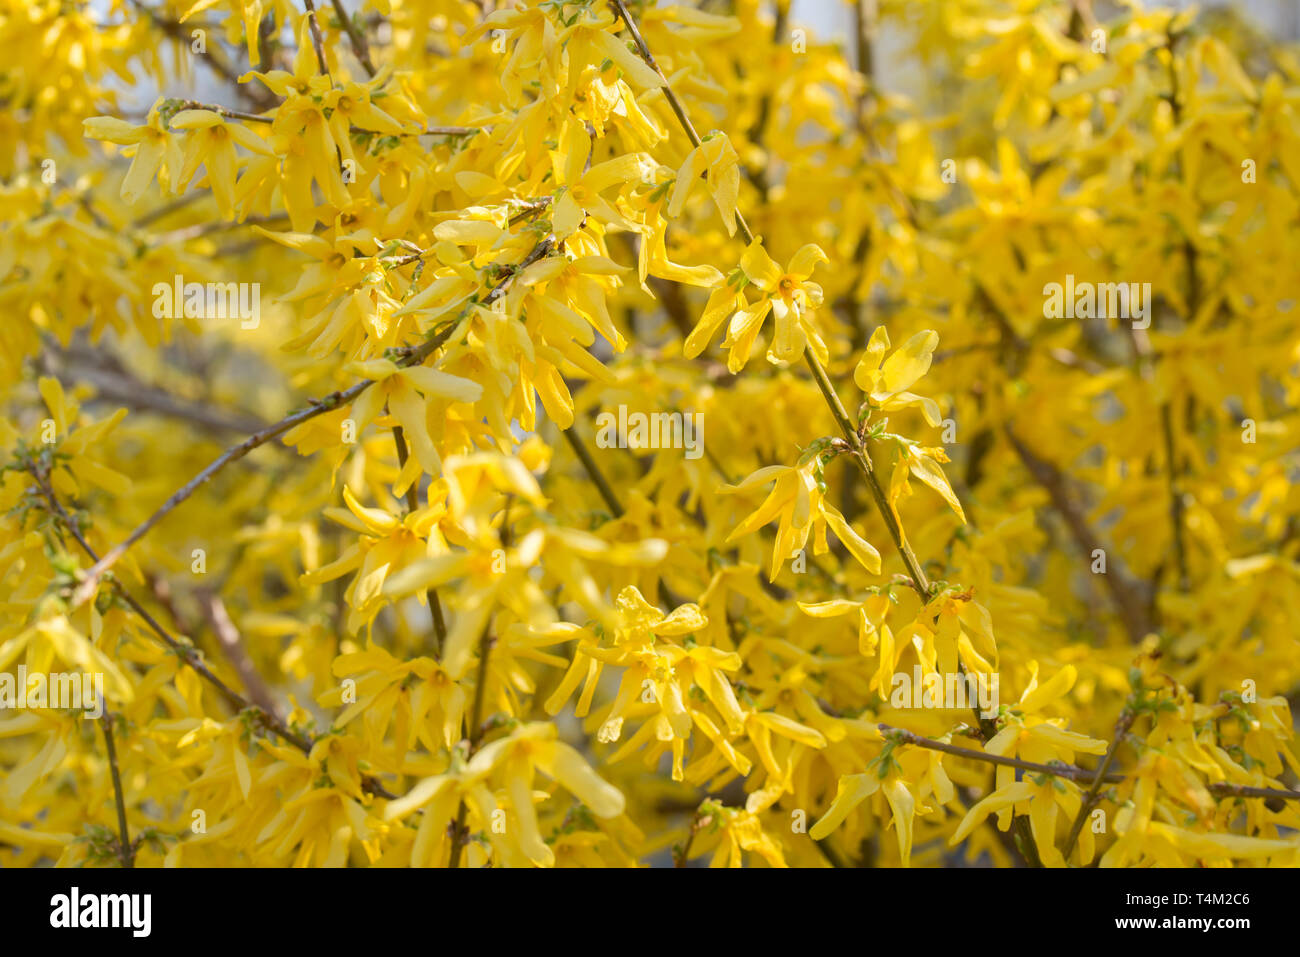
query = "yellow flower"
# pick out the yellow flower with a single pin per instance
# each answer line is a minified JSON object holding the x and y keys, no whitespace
{"x":716,"y":157}
{"x":417,"y":696}
{"x":411,"y":393}
{"x":1030,"y":737}
{"x":210,"y":140}
{"x":581,"y":186}
{"x":786,"y":293}
{"x":853,"y":789}
{"x":512,"y":762}
{"x":387,"y":544}
{"x":798,"y":501}
{"x":658,"y":681}
{"x":78,"y":468}
{"x":886,"y":383}
{"x":155,"y":149}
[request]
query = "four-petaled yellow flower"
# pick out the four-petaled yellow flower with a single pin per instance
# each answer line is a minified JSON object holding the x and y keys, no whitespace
{"x":787,"y":293}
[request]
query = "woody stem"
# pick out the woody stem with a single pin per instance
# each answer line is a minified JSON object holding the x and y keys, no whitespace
{"x":863,"y":459}
{"x":126,"y":850}
{"x":413,"y":503}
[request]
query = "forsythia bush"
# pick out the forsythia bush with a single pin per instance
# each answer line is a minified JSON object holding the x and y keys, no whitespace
{"x":574,"y":433}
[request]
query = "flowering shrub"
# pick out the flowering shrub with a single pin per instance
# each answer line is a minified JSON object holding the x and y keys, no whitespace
{"x":950,"y":513}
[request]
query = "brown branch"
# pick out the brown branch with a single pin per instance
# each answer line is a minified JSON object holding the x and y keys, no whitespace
{"x":125,"y":849}
{"x":460,"y":835}
{"x":680,"y":854}
{"x":183,"y":651}
{"x":1090,"y":798}
{"x":166,"y":209}
{"x":431,"y":594}
{"x":1223,"y":789}
{"x":1072,"y":772}
{"x":1125,"y":592}
{"x":255,"y":118}
{"x":232,"y":643}
{"x":646,"y":55}
{"x":460,"y":830}
{"x":358,"y":39}
{"x":864,"y":30}
{"x":197,"y":231}
{"x":85,"y":202}
{"x":1068,"y":771}
{"x":1177,"y":506}
{"x":593,"y":470}
{"x":317,"y":407}
{"x":225,"y":111}
{"x":317,"y":40}
{"x":114,"y":384}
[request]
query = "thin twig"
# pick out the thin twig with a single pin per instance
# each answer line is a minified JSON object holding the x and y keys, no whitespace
{"x":225,"y":111}
{"x":1177,"y":506}
{"x":255,"y":118}
{"x":114,"y":384}
{"x":232,"y":643}
{"x":593,"y":470}
{"x":485,"y":643}
{"x":199,"y":230}
{"x":317,"y":40}
{"x":166,"y":209}
{"x":1069,"y":771}
{"x":1124,"y":591}
{"x":680,"y":854}
{"x":862,"y":457}
{"x":126,"y":850}
{"x":358,"y":39}
{"x":1090,"y":798}
{"x":444,"y":131}
{"x":183,"y":651}
{"x":1223,"y":789}
{"x":431,"y":594}
{"x":1072,"y":772}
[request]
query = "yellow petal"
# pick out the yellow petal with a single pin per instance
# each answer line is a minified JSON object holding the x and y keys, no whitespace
{"x":851,"y":791}
{"x":567,"y":766}
{"x":806,"y":260}
{"x":903,"y":805}
{"x":858,"y":547}
{"x":759,"y":267}
{"x":908,"y":362}
{"x":932,"y":475}
{"x":997,"y":801}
